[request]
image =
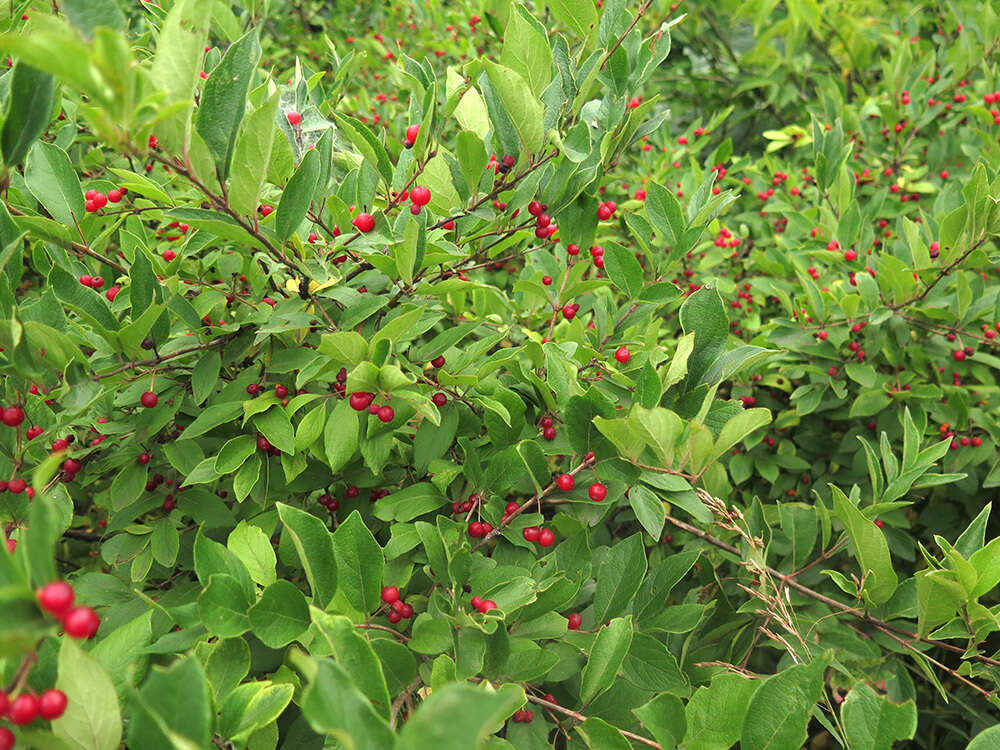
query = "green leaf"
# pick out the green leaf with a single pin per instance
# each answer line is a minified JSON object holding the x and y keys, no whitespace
{"x":738,"y":428}
{"x":779,"y":712}
{"x":704,"y":314}
{"x":623,"y":269}
{"x":664,"y":718}
{"x":334,"y":706}
{"x":526,"y":49}
{"x":88,"y":15}
{"x":605,"y":658}
{"x":367,"y":144}
{"x":174,"y":705}
{"x":340,"y":437}
{"x":128,"y":485}
{"x":253,"y":149}
{"x":599,"y":735}
{"x":205,"y":376}
{"x":29,"y":107}
{"x":314,"y":545}
{"x":280,"y":615}
{"x":355,"y":655}
{"x":250,"y":544}
{"x":988,"y":739}
{"x":728,"y":696}
{"x":360,"y":563}
{"x":176,"y":66}
{"x":297,"y":195}
{"x":224,"y":98}
{"x":939,"y":597}
{"x":651,"y":666}
{"x":619,"y":578}
{"x":579,"y":15}
{"x":92,"y":720}
{"x":873,"y":721}
{"x":252,"y":706}
{"x":277,"y":428}
{"x":521,"y":105}
{"x":232,"y":455}
{"x":870,"y":548}
{"x":50,"y":177}
{"x":409,"y":502}
{"x":223,"y":606}
{"x":458,"y":716}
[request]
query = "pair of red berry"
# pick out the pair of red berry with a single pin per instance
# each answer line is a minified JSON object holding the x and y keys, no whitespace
{"x":57,"y":599}
{"x":538,"y":535}
{"x":484,"y":605}
{"x":27,"y":707}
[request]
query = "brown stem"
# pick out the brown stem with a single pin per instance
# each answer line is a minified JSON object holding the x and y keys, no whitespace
{"x":832,"y":603}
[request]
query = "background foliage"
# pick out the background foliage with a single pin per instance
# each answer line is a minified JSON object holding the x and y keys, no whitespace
{"x":576,"y":375}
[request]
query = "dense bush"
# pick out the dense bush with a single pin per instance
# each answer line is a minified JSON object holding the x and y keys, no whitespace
{"x":576,"y":375}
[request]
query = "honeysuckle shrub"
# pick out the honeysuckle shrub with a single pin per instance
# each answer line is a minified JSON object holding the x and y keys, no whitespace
{"x":581,"y":375}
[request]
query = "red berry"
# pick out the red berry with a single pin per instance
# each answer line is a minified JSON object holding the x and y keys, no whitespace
{"x":488,"y":605}
{"x":420,"y":195}
{"x":395,"y":617}
{"x":81,"y":622}
{"x":86,"y":279}
{"x":549,"y":433}
{"x":56,"y":598}
{"x":52,"y":704}
{"x":546,"y":538}
{"x":531,"y":533}
{"x":16,"y":486}
{"x":149,"y":399}
{"x":477,"y":602}
{"x":850,"y":255}
{"x":439,"y":399}
{"x":476,"y":530}
{"x":7,"y":740}
{"x":597,"y":492}
{"x":23,"y":710}
{"x":569,"y":311}
{"x":511,"y":507}
{"x":622,"y":354}
{"x":604,"y":213}
{"x":412,"y":132}
{"x":438,"y":361}
{"x":263,"y":444}
{"x":72,"y":466}
{"x":958,"y":356}
{"x":280,"y":391}
{"x":12,"y":416}
{"x":294,"y":118}
{"x":390,"y":594}
{"x":547,"y":280}
{"x":386,"y":414}
{"x":364,"y":222}
{"x":360,"y":400}
{"x":566,"y":482}
{"x":406,"y":611}
{"x":144,"y":458}
{"x":115,"y":196}
{"x":169,"y":255}
{"x":574,"y":621}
